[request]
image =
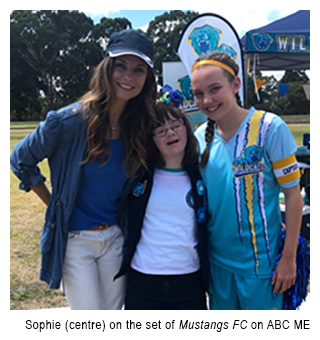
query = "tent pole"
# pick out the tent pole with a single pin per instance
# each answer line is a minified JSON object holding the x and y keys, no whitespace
{"x":245,"y":78}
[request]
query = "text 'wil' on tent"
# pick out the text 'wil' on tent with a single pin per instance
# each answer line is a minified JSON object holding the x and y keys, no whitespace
{"x":282,"y":45}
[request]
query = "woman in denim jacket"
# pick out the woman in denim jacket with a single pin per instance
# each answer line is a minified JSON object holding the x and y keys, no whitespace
{"x":92,"y":147}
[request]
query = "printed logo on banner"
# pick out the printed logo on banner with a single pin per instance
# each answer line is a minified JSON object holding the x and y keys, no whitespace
{"x":262,"y":41}
{"x":206,"y":33}
{"x":185,"y":87}
{"x":207,"y":38}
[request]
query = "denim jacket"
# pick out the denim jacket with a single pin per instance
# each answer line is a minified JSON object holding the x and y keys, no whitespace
{"x":62,"y":139}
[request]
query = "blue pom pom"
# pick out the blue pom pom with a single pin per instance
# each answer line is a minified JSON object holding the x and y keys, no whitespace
{"x":294,"y":296}
{"x":176,"y":98}
{"x":173,"y":97}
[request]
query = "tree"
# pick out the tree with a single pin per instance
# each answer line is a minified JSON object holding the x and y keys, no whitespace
{"x":52,"y":57}
{"x":102,"y":32}
{"x":267,"y":94}
{"x":295,"y":100}
{"x":53,"y":54}
{"x":165,"y":31}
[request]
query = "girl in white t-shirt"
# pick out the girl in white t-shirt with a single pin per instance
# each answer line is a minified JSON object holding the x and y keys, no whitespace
{"x":164,"y":215}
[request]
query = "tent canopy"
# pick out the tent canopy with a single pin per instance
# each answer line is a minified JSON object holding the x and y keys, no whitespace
{"x":282,"y":45}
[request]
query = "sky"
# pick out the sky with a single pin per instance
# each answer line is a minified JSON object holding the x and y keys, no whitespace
{"x":242,"y":19}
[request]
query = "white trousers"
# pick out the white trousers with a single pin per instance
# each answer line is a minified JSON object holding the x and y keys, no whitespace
{"x":92,"y":260}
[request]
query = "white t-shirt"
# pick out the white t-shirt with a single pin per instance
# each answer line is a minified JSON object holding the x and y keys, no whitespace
{"x":168,"y":238}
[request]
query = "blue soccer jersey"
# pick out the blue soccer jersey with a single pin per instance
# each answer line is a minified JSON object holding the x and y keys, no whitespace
{"x":243,"y":177}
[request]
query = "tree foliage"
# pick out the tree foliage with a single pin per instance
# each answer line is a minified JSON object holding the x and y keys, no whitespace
{"x":52,"y":56}
{"x":165,"y":30}
{"x":293,"y":102}
{"x":53,"y":53}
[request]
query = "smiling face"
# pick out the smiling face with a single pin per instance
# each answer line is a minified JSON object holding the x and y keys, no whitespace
{"x":171,"y":140}
{"x":129,"y":76}
{"x":213,"y":93}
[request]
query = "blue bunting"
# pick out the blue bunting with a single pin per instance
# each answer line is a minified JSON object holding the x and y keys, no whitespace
{"x":294,"y":296}
{"x":283,"y":88}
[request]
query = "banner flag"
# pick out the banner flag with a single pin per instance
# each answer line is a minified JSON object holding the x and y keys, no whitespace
{"x":283,"y":88}
{"x":307,"y":90}
{"x":259,"y":84}
{"x":207,"y":33}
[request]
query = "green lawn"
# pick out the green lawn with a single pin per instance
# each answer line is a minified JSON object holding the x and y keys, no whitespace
{"x":26,"y":218}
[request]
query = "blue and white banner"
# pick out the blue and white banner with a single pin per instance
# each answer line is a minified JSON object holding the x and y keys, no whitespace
{"x":176,"y":76}
{"x":298,"y":43}
{"x":207,"y":33}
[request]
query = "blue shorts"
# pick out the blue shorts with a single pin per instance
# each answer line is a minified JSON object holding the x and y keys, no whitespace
{"x":229,"y":291}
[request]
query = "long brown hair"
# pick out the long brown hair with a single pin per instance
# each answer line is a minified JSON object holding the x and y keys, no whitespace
{"x":134,"y":122}
{"x":165,"y":112}
{"x":227,"y":60}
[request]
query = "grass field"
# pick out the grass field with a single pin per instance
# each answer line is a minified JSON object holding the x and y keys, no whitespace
{"x":26,"y":219}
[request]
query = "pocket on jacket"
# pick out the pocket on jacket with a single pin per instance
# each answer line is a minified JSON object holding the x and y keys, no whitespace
{"x":47,"y":237}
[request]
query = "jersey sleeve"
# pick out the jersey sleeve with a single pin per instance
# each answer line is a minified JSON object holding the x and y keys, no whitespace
{"x":281,"y":148}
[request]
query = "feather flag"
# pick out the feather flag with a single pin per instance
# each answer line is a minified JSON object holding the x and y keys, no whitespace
{"x":208,"y":33}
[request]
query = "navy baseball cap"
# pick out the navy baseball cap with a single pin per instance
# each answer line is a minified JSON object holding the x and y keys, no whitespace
{"x":131,"y":42}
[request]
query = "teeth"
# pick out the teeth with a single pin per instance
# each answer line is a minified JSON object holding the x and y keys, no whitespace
{"x":126,"y":87}
{"x":211,"y":109}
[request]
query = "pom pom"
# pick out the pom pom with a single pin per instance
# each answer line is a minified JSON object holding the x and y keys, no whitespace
{"x":171,"y":97}
{"x":294,"y":296}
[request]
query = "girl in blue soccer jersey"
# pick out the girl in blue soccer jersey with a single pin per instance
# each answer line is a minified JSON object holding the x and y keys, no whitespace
{"x":247,"y":157}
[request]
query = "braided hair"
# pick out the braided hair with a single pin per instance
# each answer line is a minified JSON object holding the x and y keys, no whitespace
{"x":209,"y":133}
